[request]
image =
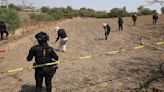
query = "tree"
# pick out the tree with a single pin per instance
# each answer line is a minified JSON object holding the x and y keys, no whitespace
{"x":10,"y":17}
{"x":116,"y":12}
{"x":14,"y":7}
{"x":140,"y":8}
{"x":44,"y":9}
{"x":145,"y":11}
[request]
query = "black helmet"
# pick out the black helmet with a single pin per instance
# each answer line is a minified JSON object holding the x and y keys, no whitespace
{"x":42,"y":37}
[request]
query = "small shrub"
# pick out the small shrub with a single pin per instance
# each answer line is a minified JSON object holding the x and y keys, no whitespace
{"x":10,"y":17}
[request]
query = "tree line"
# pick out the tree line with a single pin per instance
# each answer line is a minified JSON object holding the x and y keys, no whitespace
{"x":69,"y":12}
{"x":11,"y":16}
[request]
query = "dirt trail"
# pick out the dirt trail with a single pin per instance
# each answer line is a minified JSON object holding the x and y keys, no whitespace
{"x":122,"y":72}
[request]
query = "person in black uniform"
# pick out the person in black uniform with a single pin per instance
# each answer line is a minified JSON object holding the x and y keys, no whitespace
{"x":120,"y":23}
{"x":3,"y":30}
{"x":63,"y":38}
{"x":155,"y":18}
{"x":107,"y":30}
{"x":43,"y":53}
{"x":134,"y":18}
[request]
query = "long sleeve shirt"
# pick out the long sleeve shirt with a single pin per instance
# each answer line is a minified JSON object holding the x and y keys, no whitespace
{"x":40,"y":58}
{"x":62,"y":34}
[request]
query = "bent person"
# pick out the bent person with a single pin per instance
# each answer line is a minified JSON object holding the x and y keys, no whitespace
{"x":107,"y":30}
{"x":63,"y":38}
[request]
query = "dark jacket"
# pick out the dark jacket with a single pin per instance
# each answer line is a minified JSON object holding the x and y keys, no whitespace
{"x":155,"y":17}
{"x":134,"y":17}
{"x":2,"y":27}
{"x":62,"y":34}
{"x":40,"y":58}
{"x":120,"y":20}
{"x":107,"y":29}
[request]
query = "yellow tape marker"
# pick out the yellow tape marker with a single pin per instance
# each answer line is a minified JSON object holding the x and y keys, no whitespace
{"x":57,"y":62}
{"x":160,"y":43}
{"x":139,"y":47}
{"x":113,"y":52}
{"x":15,"y":70}
{"x":85,"y":57}
{"x":47,"y":64}
{"x":21,"y":69}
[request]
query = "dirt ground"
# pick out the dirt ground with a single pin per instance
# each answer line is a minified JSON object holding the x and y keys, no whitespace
{"x":129,"y":71}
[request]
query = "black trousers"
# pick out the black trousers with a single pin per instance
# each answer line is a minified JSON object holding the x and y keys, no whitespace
{"x":120,"y":27}
{"x":40,"y":74}
{"x":106,"y":35}
{"x":2,"y":32}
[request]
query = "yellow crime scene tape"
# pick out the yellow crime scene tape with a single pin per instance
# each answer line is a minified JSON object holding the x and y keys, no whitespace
{"x":139,"y":47}
{"x":81,"y":58}
{"x":113,"y":52}
{"x":85,"y":57}
{"x":36,"y":66}
{"x":159,"y":43}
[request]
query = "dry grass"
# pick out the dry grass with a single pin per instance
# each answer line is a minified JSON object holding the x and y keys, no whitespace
{"x":131,"y":71}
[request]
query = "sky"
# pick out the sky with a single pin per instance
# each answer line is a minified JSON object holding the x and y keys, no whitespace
{"x":106,"y":5}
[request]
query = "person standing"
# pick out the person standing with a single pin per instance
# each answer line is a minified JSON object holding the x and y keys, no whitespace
{"x":3,"y":30}
{"x":63,"y":38}
{"x":134,"y":18}
{"x":43,"y":53}
{"x":155,"y":18}
{"x":120,"y":23}
{"x":107,"y":30}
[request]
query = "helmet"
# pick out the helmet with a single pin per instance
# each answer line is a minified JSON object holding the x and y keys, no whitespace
{"x":42,"y":37}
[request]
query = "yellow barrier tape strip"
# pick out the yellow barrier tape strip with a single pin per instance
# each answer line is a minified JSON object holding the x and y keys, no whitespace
{"x":21,"y":69}
{"x":113,"y":52}
{"x":15,"y":70}
{"x":85,"y":57}
{"x":159,"y":43}
{"x":47,"y":64}
{"x":53,"y":63}
{"x":139,"y":47}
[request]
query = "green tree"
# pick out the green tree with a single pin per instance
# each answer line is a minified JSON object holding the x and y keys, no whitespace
{"x":140,"y":8}
{"x":44,"y":9}
{"x":101,"y":14}
{"x":14,"y":6}
{"x":145,"y":11}
{"x":116,"y":12}
{"x":10,"y":17}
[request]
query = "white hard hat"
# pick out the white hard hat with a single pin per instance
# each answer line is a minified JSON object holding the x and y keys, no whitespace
{"x":104,"y":24}
{"x":57,"y":29}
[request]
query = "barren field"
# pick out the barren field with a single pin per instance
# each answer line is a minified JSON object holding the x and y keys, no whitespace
{"x":127,"y":71}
